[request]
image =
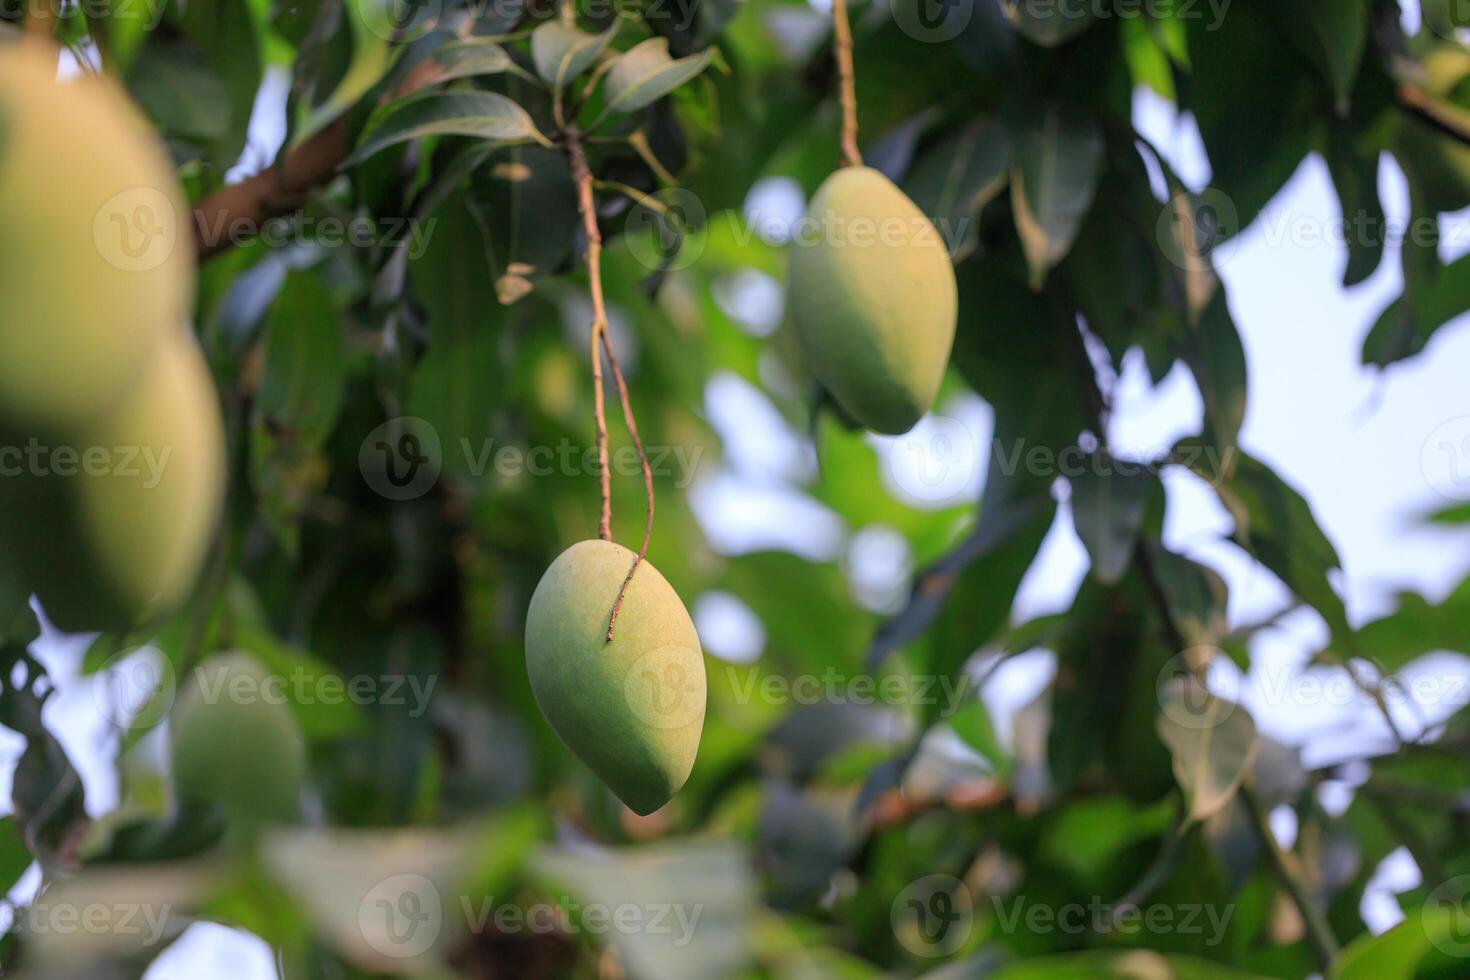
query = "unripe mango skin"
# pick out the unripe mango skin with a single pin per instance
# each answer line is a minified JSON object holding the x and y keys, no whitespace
{"x":244,"y":753}
{"x":631,"y":709}
{"x":123,"y":544}
{"x":873,"y":299}
{"x":80,"y":168}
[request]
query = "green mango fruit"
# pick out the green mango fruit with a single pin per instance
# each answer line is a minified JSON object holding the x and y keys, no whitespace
{"x":235,"y":741}
{"x":98,"y":268}
{"x":631,"y":709}
{"x":873,"y":299}
{"x":109,"y":526}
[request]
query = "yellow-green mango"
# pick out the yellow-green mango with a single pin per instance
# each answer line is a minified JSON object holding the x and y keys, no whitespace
{"x":235,"y":741}
{"x":109,"y":526}
{"x":97,"y":266}
{"x":631,"y":709}
{"x":873,"y":299}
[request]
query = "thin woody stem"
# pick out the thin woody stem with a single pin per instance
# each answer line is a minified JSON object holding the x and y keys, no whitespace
{"x":582,"y":175}
{"x":632,"y":423}
{"x":846,"y":85}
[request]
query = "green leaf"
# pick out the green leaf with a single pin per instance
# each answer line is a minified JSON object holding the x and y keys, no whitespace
{"x":958,"y":177}
{"x":1396,"y":954}
{"x":472,"y":58}
{"x":1355,"y":175}
{"x":561,"y":52}
{"x":1058,"y":157}
{"x":305,"y":372}
{"x":1416,"y":628}
{"x":1212,"y":741}
{"x":485,"y":115}
{"x":1216,"y":357}
{"x":644,"y":74}
{"x":1276,"y":524}
{"x":14,"y":858}
{"x":1108,"y":501}
{"x":452,"y":387}
{"x":1333,"y":34}
{"x":372,"y":58}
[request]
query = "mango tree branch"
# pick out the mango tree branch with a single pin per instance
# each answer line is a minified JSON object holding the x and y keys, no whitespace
{"x":236,"y":212}
{"x":632,"y":423}
{"x":586,"y":204}
{"x":846,"y":84}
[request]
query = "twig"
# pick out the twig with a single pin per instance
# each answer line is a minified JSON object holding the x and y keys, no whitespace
{"x":846,"y":87}
{"x":1319,"y":932}
{"x":582,"y":176}
{"x":632,"y":423}
{"x":1428,"y":110}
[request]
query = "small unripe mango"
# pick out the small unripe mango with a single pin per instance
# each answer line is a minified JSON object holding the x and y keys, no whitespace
{"x":109,"y":525}
{"x":98,"y":265}
{"x":235,"y":742}
{"x":632,"y":709}
{"x":873,"y":299}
